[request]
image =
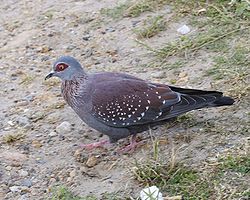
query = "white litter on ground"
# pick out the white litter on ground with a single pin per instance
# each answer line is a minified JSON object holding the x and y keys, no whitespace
{"x":151,"y":193}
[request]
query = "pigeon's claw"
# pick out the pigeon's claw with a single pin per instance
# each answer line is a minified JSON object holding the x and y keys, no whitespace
{"x":94,"y":145}
{"x":131,"y":147}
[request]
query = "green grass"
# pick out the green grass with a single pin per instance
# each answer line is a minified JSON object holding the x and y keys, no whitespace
{"x":151,"y":27}
{"x":63,"y":193}
{"x":216,"y":25}
{"x":175,"y":179}
{"x":133,"y":8}
{"x":233,"y":68}
{"x":222,"y":29}
{"x":232,"y":65}
{"x":116,"y":12}
{"x":239,"y":164}
{"x":191,"y":44}
{"x":178,"y":179}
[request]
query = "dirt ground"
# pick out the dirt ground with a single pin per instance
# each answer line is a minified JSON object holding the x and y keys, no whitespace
{"x":32,"y":35}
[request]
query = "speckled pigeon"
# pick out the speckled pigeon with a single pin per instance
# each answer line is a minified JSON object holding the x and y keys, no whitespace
{"x":120,"y":105}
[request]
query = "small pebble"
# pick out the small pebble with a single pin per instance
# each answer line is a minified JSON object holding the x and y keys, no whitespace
{"x":29,"y":97}
{"x":36,"y":144}
{"x":23,"y":173}
{"x":24,"y":197}
{"x":52,"y":134}
{"x":23,"y":121}
{"x":72,"y":173}
{"x":80,"y":156}
{"x":15,"y":188}
{"x":86,"y":37}
{"x":27,"y":183}
{"x":22,"y":103}
{"x":110,"y":29}
{"x":134,"y":23}
{"x":11,"y":123}
{"x":64,"y":127}
{"x":92,"y":161}
{"x":52,"y":180}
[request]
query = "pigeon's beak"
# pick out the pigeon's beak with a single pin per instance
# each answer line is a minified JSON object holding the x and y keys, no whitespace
{"x":50,"y":75}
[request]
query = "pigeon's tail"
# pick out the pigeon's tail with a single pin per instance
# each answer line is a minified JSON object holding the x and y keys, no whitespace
{"x":222,"y":101}
{"x":191,"y":99}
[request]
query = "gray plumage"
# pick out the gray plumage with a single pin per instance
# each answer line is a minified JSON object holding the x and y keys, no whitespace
{"x":120,"y":105}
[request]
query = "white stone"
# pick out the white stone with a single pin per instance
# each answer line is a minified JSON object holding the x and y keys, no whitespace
{"x":23,"y":173}
{"x":15,"y":188}
{"x":151,"y":193}
{"x":63,"y":128}
{"x":53,"y":134}
{"x":183,"y":30}
{"x":11,"y":123}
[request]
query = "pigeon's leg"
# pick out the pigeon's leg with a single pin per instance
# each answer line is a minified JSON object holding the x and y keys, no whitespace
{"x":132,"y":146}
{"x":94,"y":145}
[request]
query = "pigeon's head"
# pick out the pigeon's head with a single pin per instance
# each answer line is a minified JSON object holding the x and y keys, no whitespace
{"x":66,"y":68}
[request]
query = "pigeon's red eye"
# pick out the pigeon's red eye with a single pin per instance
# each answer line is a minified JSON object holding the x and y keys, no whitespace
{"x":61,"y":67}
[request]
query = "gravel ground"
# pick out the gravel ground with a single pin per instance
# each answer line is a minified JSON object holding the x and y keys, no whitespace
{"x":32,"y":35}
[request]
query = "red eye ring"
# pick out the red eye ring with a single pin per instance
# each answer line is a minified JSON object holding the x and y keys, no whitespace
{"x":61,"y":66}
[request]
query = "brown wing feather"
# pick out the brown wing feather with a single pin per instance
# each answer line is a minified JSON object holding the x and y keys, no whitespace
{"x":128,"y":102}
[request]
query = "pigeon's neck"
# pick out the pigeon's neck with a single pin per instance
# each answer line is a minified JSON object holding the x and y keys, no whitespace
{"x":73,"y":90}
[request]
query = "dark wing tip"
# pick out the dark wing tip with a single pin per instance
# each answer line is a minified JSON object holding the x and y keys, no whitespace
{"x":224,"y":101}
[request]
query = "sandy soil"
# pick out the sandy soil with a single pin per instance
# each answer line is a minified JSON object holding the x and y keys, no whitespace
{"x":32,"y":35}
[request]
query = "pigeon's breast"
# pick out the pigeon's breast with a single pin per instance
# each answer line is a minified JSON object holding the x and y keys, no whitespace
{"x":72,"y":93}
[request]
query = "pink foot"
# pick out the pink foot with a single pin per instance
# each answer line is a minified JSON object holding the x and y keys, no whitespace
{"x":94,"y":145}
{"x":131,"y":147}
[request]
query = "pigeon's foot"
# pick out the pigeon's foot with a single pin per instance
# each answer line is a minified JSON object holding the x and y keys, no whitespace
{"x":94,"y":145}
{"x":131,"y":147}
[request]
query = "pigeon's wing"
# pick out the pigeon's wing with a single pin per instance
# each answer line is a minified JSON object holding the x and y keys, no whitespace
{"x":126,"y":102}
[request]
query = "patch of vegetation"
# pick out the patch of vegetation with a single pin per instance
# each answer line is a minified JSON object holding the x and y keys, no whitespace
{"x":175,"y":180}
{"x":116,"y":12}
{"x":151,"y":27}
{"x":133,"y":8}
{"x":63,"y":193}
{"x":176,"y":65}
{"x":232,"y":65}
{"x":233,"y":68}
{"x":11,"y":138}
{"x":191,"y":44}
{"x":187,"y":120}
{"x":240,"y":164}
{"x":217,"y":21}
{"x":115,"y":196}
{"x":178,"y":179}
